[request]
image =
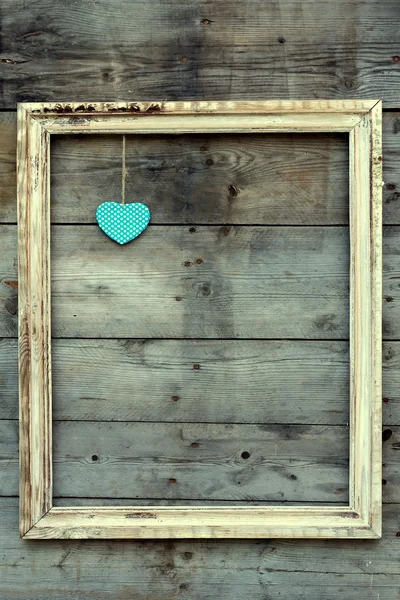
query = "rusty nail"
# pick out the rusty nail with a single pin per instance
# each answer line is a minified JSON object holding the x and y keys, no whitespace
{"x":12,"y":284}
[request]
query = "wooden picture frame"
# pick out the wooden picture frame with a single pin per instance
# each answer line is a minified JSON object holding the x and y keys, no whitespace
{"x":361,"y":518}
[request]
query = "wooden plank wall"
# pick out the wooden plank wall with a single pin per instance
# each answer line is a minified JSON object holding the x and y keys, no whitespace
{"x":165,"y":351}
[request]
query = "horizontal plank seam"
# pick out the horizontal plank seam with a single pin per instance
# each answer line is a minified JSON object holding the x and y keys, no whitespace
{"x":259,"y":504}
{"x":210,"y":339}
{"x":294,"y":503}
{"x":209,"y":225}
{"x":263,"y":570}
{"x":269,"y":225}
{"x":263,"y":423}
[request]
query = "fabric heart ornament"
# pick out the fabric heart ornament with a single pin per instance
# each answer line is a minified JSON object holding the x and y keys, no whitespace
{"x":122,"y":222}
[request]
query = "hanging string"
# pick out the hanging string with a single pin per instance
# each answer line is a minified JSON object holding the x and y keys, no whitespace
{"x":124,"y":171}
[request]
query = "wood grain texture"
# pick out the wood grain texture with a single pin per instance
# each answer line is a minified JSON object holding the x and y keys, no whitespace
{"x":325,"y":49}
{"x":192,"y":120}
{"x":241,"y":282}
{"x":311,"y":168}
{"x":316,"y":569}
{"x":155,"y":380}
{"x":205,"y":461}
{"x":316,"y":455}
{"x":34,"y":331}
{"x":61,"y":237}
{"x":305,"y":271}
{"x":143,"y":379}
{"x":206,"y":179}
{"x":366,"y":317}
{"x":191,"y":461}
{"x":8,"y":155}
{"x":201,"y":522}
{"x":245,"y":50}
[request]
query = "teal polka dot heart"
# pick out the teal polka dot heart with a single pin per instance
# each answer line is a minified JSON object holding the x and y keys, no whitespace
{"x":122,"y":222}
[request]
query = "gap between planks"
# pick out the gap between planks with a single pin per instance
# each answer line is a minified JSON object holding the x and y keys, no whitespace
{"x":256,"y":423}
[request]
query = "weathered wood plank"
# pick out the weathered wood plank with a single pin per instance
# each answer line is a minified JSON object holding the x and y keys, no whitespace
{"x":9,"y":281}
{"x":312,"y":569}
{"x":240,"y":282}
{"x":238,"y":381}
{"x":285,"y":463}
{"x":175,"y":283}
{"x":255,"y":282}
{"x":8,"y":176}
{"x":391,"y":382}
{"x":206,"y":178}
{"x":225,"y":462}
{"x":192,"y":461}
{"x":155,"y":461}
{"x":169,"y":50}
{"x":391,"y":463}
{"x":291,"y":381}
{"x":154,"y":380}
{"x":294,"y":279}
{"x":391,"y":168}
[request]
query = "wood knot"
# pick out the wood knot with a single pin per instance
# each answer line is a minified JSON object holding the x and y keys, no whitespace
{"x":386,"y":435}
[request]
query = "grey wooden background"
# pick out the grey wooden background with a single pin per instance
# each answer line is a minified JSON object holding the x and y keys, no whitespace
{"x":207,"y":362}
